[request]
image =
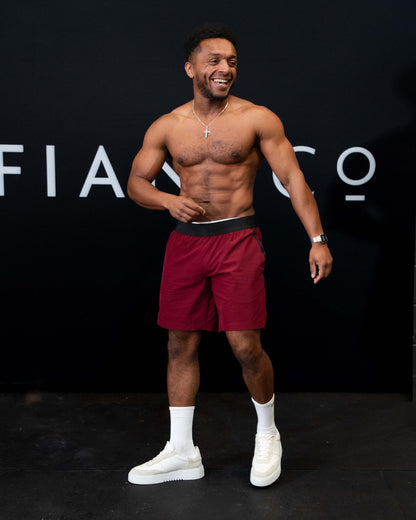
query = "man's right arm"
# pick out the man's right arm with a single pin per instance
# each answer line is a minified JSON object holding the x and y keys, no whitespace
{"x":146,"y":167}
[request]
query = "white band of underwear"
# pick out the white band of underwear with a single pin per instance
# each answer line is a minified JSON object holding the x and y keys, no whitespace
{"x":214,"y":221}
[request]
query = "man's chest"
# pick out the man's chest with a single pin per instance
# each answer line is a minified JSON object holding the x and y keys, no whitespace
{"x":224,"y":145}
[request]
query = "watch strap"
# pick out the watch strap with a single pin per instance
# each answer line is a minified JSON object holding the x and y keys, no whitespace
{"x":323,"y":239}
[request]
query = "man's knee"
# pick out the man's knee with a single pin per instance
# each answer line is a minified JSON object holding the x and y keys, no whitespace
{"x":246,"y":346}
{"x":183,"y":343}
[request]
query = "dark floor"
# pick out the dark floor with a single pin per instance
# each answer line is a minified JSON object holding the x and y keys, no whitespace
{"x":345,"y":456}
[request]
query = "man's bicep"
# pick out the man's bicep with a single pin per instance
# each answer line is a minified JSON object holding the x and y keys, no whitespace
{"x":151,"y":157}
{"x":148,"y":163}
{"x":280,"y":155}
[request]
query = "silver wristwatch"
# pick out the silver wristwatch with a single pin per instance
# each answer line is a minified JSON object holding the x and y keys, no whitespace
{"x":323,"y":239}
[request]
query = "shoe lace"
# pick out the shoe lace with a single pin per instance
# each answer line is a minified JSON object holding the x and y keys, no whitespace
{"x":264,"y":446}
{"x":161,"y":455}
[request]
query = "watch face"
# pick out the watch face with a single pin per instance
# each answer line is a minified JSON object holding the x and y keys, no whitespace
{"x":324,"y":239}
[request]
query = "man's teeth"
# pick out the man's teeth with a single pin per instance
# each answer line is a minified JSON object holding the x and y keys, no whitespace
{"x":220,"y":81}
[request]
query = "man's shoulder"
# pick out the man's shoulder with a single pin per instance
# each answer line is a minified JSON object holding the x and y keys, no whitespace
{"x":247,"y":107}
{"x":171,"y":118}
{"x":166,"y":123}
{"x":181,"y":111}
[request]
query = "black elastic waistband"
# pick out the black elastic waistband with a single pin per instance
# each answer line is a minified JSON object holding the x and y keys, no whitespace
{"x":216,"y":228}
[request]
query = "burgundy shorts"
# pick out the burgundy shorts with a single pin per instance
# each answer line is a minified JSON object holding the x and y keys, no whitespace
{"x":213,"y":277}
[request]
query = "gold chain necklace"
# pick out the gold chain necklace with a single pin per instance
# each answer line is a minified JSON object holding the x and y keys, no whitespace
{"x":206,"y":131}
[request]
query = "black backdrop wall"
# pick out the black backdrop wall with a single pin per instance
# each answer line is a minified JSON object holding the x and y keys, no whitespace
{"x":81,"y":264}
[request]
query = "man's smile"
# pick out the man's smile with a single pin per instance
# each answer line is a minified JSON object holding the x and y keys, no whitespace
{"x":221,"y":82}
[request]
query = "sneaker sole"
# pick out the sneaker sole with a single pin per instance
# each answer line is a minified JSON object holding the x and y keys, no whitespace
{"x":265,"y":481}
{"x":180,"y":474}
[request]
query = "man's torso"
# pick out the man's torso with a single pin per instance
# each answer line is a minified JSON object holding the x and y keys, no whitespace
{"x":217,"y":171}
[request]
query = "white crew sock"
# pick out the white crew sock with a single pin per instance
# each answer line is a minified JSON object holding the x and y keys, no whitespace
{"x":265,"y":416}
{"x":181,"y":419}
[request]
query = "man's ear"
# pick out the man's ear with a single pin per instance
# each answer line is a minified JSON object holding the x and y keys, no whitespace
{"x":189,"y":69}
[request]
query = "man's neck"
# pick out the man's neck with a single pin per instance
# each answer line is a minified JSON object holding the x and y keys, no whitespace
{"x":205,"y":106}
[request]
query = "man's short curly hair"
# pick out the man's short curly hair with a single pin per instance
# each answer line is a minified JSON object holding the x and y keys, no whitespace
{"x":205,"y":32}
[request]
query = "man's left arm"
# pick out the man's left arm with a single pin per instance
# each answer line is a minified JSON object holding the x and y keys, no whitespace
{"x":281,"y":157}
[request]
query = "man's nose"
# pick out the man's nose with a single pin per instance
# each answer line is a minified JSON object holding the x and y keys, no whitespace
{"x":224,"y":66}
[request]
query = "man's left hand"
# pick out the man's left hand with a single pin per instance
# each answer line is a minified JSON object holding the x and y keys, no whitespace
{"x":320,"y":261}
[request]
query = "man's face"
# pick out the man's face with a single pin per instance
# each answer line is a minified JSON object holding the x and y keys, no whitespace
{"x":213,"y":68}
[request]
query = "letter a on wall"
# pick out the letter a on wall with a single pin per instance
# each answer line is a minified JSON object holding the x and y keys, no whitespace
{"x":101,"y":157}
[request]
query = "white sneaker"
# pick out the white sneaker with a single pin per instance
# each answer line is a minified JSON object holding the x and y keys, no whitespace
{"x":266,"y":466}
{"x":166,"y":466}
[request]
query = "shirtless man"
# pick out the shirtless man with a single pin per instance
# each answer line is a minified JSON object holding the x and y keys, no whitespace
{"x":213,"y":272}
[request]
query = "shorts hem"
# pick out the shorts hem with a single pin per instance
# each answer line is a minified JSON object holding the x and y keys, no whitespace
{"x":240,"y":327}
{"x":188,"y":328}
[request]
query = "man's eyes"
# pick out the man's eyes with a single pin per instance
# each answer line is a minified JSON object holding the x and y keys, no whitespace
{"x":231,"y":63}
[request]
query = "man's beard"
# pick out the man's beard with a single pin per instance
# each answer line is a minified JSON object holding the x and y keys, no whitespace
{"x":208,"y":93}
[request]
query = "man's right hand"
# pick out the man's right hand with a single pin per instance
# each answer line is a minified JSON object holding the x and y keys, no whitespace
{"x":185,"y":209}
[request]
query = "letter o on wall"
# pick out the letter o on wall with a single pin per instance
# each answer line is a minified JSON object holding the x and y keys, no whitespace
{"x":371,"y":168}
